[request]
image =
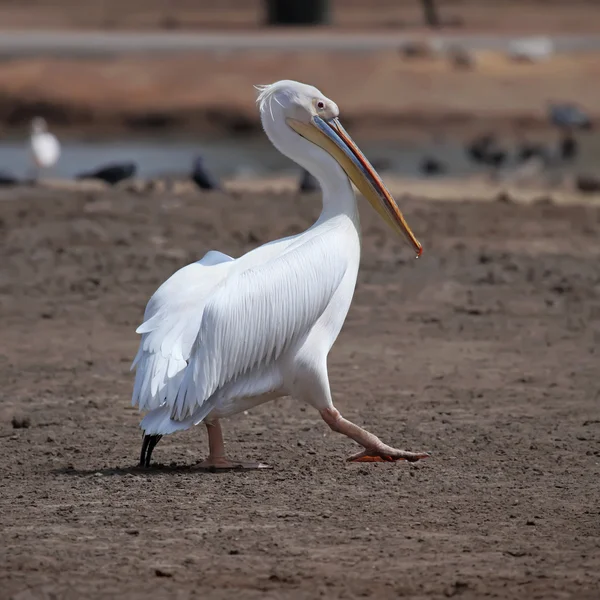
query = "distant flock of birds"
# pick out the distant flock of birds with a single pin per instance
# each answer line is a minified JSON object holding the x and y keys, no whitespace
{"x":483,"y":150}
{"x":45,"y":152}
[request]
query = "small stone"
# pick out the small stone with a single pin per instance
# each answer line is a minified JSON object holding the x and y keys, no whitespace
{"x":504,"y":198}
{"x":456,"y":589}
{"x":461,"y":58}
{"x":416,"y":49}
{"x":21,"y":422}
{"x":162,"y":573}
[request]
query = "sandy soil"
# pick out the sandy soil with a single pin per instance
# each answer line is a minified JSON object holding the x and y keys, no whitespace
{"x":573,"y":16}
{"x":208,"y":93}
{"x":484,"y":353}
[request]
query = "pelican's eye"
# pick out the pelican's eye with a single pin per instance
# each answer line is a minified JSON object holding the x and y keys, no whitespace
{"x":320,"y":105}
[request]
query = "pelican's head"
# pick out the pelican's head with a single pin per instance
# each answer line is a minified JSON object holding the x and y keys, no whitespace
{"x":39,"y":125}
{"x":303,"y":124}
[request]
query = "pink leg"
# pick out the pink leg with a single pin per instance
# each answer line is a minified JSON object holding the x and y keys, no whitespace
{"x":216,"y":452}
{"x":375,"y":450}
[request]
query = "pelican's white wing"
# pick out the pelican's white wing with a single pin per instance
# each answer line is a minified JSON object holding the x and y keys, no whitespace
{"x":252,"y":318}
{"x":171,"y":324}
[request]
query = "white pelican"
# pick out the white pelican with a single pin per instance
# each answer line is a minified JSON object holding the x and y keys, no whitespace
{"x":44,"y":146}
{"x":223,"y":335}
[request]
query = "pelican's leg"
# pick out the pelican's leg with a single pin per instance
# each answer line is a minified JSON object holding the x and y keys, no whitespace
{"x":216,"y":452}
{"x":312,"y":385}
{"x":374,"y":449}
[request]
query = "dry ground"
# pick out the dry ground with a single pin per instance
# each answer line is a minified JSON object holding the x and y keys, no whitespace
{"x":485,"y":352}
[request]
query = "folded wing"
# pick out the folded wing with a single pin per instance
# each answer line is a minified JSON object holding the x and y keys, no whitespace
{"x":252,"y":318}
{"x":171,"y":324}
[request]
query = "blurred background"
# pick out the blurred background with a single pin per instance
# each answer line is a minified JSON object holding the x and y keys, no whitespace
{"x":429,"y":88}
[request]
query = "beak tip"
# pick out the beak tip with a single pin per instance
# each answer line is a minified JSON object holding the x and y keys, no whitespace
{"x":419,"y":251}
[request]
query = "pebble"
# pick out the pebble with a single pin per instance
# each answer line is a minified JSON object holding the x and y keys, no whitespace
{"x":21,"y":422}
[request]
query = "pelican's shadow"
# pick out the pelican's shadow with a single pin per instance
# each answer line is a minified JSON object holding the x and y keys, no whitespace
{"x":154,"y":469}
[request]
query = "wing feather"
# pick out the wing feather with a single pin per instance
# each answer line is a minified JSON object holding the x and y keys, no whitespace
{"x":171,"y":324}
{"x":251,"y":318}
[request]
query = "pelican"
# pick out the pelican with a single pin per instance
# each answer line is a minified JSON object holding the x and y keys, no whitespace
{"x":45,"y":148}
{"x":223,"y":335}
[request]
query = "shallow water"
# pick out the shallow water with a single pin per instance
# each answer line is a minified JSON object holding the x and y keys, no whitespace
{"x":255,"y":156}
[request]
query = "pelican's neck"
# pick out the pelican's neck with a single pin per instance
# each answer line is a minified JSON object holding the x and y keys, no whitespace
{"x":338,"y":195}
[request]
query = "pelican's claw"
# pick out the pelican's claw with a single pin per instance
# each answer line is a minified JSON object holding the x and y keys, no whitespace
{"x":387,"y":456}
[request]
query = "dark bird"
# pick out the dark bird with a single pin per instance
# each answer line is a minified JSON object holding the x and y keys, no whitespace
{"x":202,"y":177}
{"x":308,"y":183}
{"x":485,"y":150}
{"x":112,"y":173}
{"x":496,"y":157}
{"x":477,"y":148}
{"x":431,"y":166}
{"x":588,"y":183}
{"x":568,"y":147}
{"x":7,"y":180}
{"x":529,"y":150}
{"x":568,"y":115}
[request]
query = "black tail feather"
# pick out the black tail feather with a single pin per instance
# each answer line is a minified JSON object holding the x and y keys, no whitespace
{"x":148,"y":444}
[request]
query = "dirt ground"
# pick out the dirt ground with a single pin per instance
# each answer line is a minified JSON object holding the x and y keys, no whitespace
{"x":485,"y":353}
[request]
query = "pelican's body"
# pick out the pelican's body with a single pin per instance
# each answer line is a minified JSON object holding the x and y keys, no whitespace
{"x":44,"y":146}
{"x":223,"y":335}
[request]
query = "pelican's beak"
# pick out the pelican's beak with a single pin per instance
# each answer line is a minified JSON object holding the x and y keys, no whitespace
{"x":333,"y":138}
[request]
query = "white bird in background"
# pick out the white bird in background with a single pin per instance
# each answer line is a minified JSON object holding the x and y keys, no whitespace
{"x":45,"y":148}
{"x":223,"y":335}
